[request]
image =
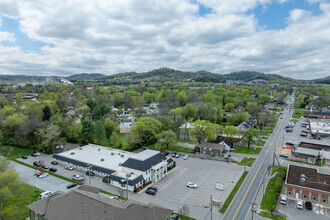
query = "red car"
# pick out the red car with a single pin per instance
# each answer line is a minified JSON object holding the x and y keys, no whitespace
{"x":45,"y":167}
{"x":39,"y":174}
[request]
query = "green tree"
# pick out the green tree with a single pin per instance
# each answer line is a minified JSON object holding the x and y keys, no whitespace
{"x":162,"y":95}
{"x":110,"y":127}
{"x":229,"y":106}
{"x":146,"y":129}
{"x":263,"y":98}
{"x":73,"y":132}
{"x":236,"y":119}
{"x":99,"y":132}
{"x":99,"y":111}
{"x":114,"y":139}
{"x":166,"y":138}
{"x":203,"y":130}
{"x":87,"y":131}
{"x":7,"y":111}
{"x":34,"y":110}
{"x":50,"y":137}
{"x":230,"y":131}
{"x":91,"y":104}
{"x":12,"y":123}
{"x":149,"y":97}
{"x":182,"y":98}
{"x":46,"y":113}
{"x":248,"y":137}
{"x":19,"y":98}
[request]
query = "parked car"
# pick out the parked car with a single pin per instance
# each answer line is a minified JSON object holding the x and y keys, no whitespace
{"x":39,"y":174}
{"x":308,"y":205}
{"x":37,"y":164}
{"x":284,"y":199}
{"x":52,"y":169}
{"x":153,"y":188}
{"x":151,"y":191}
{"x":300,"y":204}
{"x":303,"y":133}
{"x":71,"y":185}
{"x":77,"y":177}
{"x":185,"y":157}
{"x":24,"y":157}
{"x":69,"y":167}
{"x":115,"y":198}
{"x":54,"y":162}
{"x":43,"y":175}
{"x":37,"y":153}
{"x":174,"y":217}
{"x":90,"y":173}
{"x":174,"y":155}
{"x":165,"y":153}
{"x":33,"y":155}
{"x":45,"y":194}
{"x":45,"y":167}
{"x":291,"y":143}
{"x":288,"y":129}
{"x":284,"y":155}
{"x":192,"y":185}
{"x":177,"y":155}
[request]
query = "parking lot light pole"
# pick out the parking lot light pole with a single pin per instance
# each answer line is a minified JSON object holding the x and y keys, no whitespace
{"x":89,"y":173}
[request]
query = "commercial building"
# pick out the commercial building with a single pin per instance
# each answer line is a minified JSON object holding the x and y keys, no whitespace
{"x":86,"y":202}
{"x":311,"y":153}
{"x":319,"y":127}
{"x":307,"y":184}
{"x":319,"y":115}
{"x":212,"y":149}
{"x":120,"y":168}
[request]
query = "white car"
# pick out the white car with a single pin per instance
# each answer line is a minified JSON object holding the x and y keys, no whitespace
{"x":115,"y":198}
{"x":192,"y":185}
{"x":300,"y":204}
{"x":37,"y":154}
{"x":43,"y":175}
{"x":185,"y":157}
{"x":284,"y":199}
{"x":77,"y":177}
{"x":69,"y":167}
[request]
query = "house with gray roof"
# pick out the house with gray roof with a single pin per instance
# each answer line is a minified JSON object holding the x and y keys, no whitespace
{"x":86,"y":203}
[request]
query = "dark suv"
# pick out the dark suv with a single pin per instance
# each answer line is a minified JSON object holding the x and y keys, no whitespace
{"x":37,"y":164}
{"x":150,"y":191}
{"x":308,"y":205}
{"x":90,"y":173}
{"x":153,"y":188}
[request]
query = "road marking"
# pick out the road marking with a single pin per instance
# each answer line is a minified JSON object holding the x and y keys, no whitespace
{"x":270,"y":146}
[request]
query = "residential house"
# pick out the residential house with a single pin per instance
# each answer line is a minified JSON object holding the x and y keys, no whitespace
{"x":125,"y":126}
{"x":70,"y":114}
{"x":270,"y":106}
{"x":86,"y":202}
{"x":325,"y":109}
{"x":212,"y":149}
{"x":245,"y":125}
{"x":184,"y":130}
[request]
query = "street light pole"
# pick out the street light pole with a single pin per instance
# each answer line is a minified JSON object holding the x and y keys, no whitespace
{"x":127,"y":184}
{"x":89,"y":173}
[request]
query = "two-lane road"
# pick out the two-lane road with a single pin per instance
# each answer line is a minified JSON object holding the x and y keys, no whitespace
{"x":241,"y":204}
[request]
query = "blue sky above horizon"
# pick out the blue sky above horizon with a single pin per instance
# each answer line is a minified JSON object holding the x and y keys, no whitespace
{"x":287,"y":37}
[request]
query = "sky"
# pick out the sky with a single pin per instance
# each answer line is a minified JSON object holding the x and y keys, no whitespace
{"x":66,"y":37}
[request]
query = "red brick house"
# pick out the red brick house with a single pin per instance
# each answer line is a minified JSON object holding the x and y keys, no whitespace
{"x":307,"y":184}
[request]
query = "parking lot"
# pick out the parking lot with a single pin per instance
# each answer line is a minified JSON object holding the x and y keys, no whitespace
{"x":172,"y":190}
{"x":293,"y":213}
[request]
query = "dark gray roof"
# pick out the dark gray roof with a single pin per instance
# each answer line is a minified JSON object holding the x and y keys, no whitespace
{"x":319,"y":113}
{"x":210,"y":145}
{"x":144,"y":165}
{"x":123,"y":180}
{"x":78,"y":204}
{"x":169,"y":160}
{"x":83,"y":164}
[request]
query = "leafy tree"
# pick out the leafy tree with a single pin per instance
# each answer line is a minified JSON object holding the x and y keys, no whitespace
{"x":162,"y":95}
{"x":99,"y":132}
{"x":230,"y":131}
{"x":7,"y":111}
{"x":87,"y":131}
{"x":238,"y":118}
{"x":50,"y":137}
{"x":166,"y":138}
{"x":99,"y":111}
{"x":3,"y":101}
{"x":254,"y":109}
{"x":19,"y":98}
{"x":203,"y":130}
{"x":264,"y":118}
{"x":146,"y":129}
{"x":114,"y":139}
{"x":51,"y":104}
{"x":263,"y":98}
{"x":91,"y":104}
{"x":218,"y":114}
{"x":34,"y":110}
{"x":229,"y":106}
{"x":110,"y":127}
{"x":12,"y":123}
{"x":248,"y":137}
{"x":73,"y":132}
{"x":149,"y":97}
{"x":46,"y":113}
{"x":182,"y":98}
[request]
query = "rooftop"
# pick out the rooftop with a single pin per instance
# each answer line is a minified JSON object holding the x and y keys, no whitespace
{"x":320,"y":126}
{"x":314,"y":180}
{"x":305,"y":152}
{"x":143,"y":155}
{"x":314,"y":146}
{"x":211,"y":145}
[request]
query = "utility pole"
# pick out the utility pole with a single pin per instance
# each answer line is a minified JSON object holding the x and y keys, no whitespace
{"x":89,"y":173}
{"x":127,"y":185}
{"x":252,"y":208}
{"x":211,"y":207}
{"x":274,"y":158}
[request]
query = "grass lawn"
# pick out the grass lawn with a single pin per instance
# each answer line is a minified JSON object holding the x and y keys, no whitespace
{"x":294,"y":120}
{"x":15,"y":208}
{"x":111,"y":194}
{"x":269,"y":215}
{"x":260,"y":143}
{"x":247,"y":161}
{"x":299,"y":112}
{"x":245,"y":150}
{"x":122,"y":144}
{"x":185,"y":141}
{"x":14,"y":152}
{"x":233,"y":193}
{"x":273,"y":189}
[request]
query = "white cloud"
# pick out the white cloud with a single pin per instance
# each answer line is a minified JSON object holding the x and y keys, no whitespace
{"x":117,"y":36}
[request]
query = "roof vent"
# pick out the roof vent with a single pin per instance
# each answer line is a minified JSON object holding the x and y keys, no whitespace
{"x":102,"y":159}
{"x":72,"y":153}
{"x":303,"y":176}
{"x":303,"y":180}
{"x":80,"y":148}
{"x":112,"y":153}
{"x":122,"y":155}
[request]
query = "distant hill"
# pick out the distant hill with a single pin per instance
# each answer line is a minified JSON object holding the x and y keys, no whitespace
{"x":86,"y":77}
{"x":325,"y":80}
{"x":26,"y":78}
{"x":247,"y":76}
{"x":163,"y":75}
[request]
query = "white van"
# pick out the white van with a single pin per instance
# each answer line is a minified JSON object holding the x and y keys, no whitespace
{"x":284,"y":199}
{"x":45,"y":194}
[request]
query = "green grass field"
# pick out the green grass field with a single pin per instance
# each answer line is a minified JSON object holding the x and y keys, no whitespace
{"x":245,"y":150}
{"x":247,"y":161}
{"x":14,"y":152}
{"x":298,"y":113}
{"x":233,"y":193}
{"x":269,"y":215}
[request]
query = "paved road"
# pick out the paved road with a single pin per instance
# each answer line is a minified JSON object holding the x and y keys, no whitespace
{"x":241,"y":204}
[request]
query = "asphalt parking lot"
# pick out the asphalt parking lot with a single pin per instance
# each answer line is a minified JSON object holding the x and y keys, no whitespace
{"x":172,"y":190}
{"x":293,"y":213}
